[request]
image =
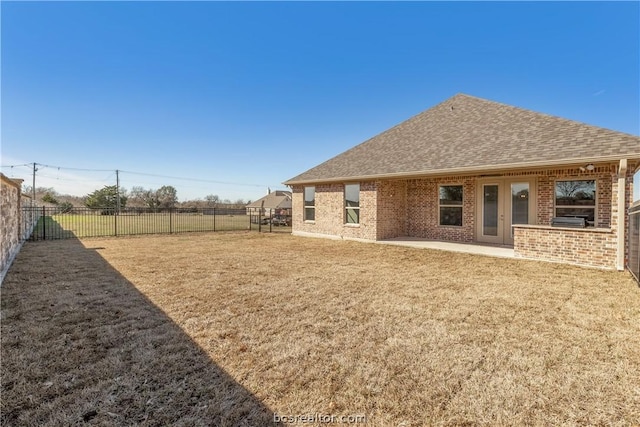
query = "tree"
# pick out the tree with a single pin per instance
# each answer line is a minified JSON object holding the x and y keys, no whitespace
{"x":451,"y":193}
{"x":138,"y":196}
{"x":49,"y":198}
{"x":166,"y":196}
{"x":575,"y":190}
{"x":105,"y":198}
{"x":212,"y":200}
{"x":65,"y":207}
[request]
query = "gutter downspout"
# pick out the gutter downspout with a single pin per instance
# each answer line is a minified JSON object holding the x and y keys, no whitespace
{"x":622,"y":172}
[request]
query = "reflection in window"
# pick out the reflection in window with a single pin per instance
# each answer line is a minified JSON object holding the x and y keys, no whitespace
{"x":450,"y":197}
{"x":576,"y":199}
{"x":352,"y":203}
{"x":520,"y":203}
{"x":490,"y":210}
{"x":309,"y":203}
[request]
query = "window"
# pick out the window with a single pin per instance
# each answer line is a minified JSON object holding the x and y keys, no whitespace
{"x":352,"y":203}
{"x":450,"y":205}
{"x":576,"y":199}
{"x":309,"y":203}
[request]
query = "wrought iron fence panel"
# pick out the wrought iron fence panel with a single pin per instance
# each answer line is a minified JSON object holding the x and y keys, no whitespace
{"x":63,"y":223}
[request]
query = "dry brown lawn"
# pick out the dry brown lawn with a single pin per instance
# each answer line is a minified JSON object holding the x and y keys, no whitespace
{"x":232,"y":329}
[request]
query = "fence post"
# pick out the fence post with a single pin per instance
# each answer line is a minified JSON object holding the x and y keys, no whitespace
{"x":214,"y":219}
{"x":44,"y":224}
{"x":170,"y":221}
{"x":115,"y":223}
{"x":260,"y":217}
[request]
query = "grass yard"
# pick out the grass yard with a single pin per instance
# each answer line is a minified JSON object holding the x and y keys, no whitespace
{"x":231,"y":329}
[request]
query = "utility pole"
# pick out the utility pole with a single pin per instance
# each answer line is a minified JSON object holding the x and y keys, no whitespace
{"x":117,"y":192}
{"x":33,"y":185}
{"x":33,"y":195}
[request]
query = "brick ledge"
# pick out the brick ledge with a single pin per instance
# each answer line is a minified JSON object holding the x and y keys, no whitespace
{"x":548,"y":227}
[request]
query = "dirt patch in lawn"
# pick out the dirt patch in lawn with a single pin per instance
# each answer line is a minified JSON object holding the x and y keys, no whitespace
{"x":225,"y":329}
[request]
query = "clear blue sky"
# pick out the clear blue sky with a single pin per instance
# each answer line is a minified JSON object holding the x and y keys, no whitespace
{"x":256,"y":93}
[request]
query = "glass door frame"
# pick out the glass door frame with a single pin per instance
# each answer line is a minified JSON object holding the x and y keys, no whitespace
{"x":498,"y":238}
{"x":505,"y":230}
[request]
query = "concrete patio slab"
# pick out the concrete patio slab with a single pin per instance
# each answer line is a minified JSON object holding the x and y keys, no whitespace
{"x":469,"y":248}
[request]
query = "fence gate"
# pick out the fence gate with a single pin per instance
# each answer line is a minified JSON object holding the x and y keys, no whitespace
{"x":634,"y":240}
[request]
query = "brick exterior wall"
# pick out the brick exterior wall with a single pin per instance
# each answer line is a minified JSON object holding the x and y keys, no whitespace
{"x":588,"y":247}
{"x":423,"y":209}
{"x":545,"y":195}
{"x":397,"y":208}
{"x":330,"y":213}
{"x":391,"y":209}
{"x":602,"y":174}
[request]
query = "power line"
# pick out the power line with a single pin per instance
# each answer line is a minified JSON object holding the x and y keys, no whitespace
{"x":58,"y":178}
{"x":194,"y":179}
{"x":75,"y":169}
{"x":113,"y":171}
{"x":16,"y":166}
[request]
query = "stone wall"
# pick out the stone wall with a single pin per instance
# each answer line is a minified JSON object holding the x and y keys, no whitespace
{"x":28,"y":217}
{"x":13,"y":227}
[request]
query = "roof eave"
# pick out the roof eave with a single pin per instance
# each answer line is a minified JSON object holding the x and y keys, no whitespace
{"x":469,"y":169}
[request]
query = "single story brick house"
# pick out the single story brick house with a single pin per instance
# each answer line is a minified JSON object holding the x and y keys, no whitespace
{"x":276,"y":203}
{"x":476,"y":171}
{"x":275,"y":207}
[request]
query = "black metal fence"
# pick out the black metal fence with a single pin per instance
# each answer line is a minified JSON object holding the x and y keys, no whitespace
{"x":60,"y":223}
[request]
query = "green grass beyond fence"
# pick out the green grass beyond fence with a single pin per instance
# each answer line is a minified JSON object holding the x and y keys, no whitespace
{"x":89,"y":223}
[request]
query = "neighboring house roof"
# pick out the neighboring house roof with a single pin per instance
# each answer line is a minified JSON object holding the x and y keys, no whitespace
{"x":274,"y":200}
{"x":465,"y":134}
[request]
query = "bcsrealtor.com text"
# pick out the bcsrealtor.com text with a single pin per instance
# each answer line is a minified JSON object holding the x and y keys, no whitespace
{"x":320,"y":419}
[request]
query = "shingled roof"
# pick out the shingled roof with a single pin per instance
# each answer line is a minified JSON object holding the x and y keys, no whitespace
{"x":274,"y":200}
{"x":468,"y":134}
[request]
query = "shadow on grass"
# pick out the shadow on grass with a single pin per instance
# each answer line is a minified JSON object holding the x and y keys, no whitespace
{"x":48,"y":228}
{"x":81,"y":344}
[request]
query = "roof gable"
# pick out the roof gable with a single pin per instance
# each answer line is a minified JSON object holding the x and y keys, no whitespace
{"x":275,"y":200}
{"x":469,"y":133}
